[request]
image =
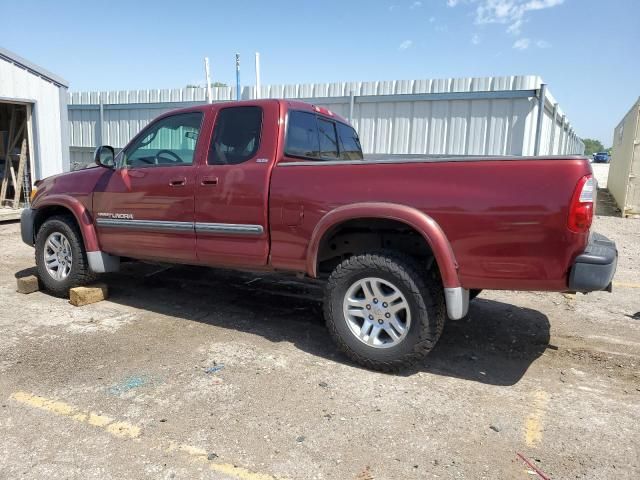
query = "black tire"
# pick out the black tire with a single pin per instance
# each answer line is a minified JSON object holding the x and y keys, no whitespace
{"x":424,"y":295}
{"x":79,"y":273}
{"x":473,"y":293}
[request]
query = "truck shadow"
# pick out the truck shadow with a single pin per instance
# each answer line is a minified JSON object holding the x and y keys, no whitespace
{"x":495,"y":345}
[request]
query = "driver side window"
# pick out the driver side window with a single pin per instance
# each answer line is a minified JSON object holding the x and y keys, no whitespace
{"x":168,"y":142}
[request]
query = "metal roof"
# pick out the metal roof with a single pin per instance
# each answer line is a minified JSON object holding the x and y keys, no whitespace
{"x":32,"y":67}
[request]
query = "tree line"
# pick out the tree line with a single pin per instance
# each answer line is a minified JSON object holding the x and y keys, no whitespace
{"x":591,"y":146}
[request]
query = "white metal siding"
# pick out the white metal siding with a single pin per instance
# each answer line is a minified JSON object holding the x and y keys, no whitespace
{"x":17,"y":83}
{"x":473,"y":126}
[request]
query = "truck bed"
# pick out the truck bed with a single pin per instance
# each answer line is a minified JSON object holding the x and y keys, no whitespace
{"x":505,"y":217}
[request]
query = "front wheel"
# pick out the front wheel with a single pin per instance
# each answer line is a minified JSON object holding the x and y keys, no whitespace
{"x":61,"y":259}
{"x":382,"y":312}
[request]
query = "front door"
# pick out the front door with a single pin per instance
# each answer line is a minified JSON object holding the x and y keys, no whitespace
{"x":145,"y":208}
{"x":232,"y":188}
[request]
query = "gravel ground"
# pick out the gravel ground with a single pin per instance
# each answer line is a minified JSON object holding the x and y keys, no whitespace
{"x":194,"y":373}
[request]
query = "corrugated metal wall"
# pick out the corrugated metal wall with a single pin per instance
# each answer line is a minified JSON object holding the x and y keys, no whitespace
{"x":624,"y":172}
{"x":457,"y":116}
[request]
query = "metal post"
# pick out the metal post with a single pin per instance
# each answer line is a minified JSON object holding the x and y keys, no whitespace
{"x":257,"y":75}
{"x":207,"y":73}
{"x":561,"y":140}
{"x":352,"y":99}
{"x":542,"y":95}
{"x":553,"y":129}
{"x":570,"y":140}
{"x":237,"y":76}
{"x":100,"y":126}
{"x":33,"y":147}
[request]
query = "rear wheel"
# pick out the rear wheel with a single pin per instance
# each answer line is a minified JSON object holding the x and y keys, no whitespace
{"x":61,"y":259}
{"x":382,"y":311}
{"x":473,"y":293}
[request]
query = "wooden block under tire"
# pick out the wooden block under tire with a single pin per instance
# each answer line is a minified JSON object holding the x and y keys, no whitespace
{"x":28,"y":284}
{"x":80,"y":296}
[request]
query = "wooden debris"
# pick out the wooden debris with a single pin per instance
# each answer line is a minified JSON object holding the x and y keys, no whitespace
{"x":13,"y":177}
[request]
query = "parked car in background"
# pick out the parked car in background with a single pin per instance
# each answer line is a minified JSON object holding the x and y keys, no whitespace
{"x":403,"y":243}
{"x":601,"y":157}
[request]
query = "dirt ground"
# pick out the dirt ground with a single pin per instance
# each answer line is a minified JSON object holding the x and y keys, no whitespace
{"x":193,"y":373}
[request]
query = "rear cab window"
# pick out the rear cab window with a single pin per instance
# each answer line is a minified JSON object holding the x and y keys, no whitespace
{"x":302,"y":135}
{"x":350,"y":148}
{"x":315,"y":137}
{"x":328,"y":138}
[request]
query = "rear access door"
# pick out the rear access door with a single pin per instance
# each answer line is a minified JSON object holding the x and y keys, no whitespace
{"x":232,"y":186}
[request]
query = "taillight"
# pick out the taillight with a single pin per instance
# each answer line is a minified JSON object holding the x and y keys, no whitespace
{"x":582,"y":203}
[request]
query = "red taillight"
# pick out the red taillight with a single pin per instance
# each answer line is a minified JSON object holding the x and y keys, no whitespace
{"x":581,"y":208}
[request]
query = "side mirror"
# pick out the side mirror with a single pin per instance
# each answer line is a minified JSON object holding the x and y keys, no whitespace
{"x":104,"y":156}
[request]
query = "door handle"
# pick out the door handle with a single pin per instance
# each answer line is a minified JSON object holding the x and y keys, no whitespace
{"x":178,"y":182}
{"x":209,"y":181}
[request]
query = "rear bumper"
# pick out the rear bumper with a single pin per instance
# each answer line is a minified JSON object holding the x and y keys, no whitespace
{"x":26,"y":226}
{"x":593,"y":270}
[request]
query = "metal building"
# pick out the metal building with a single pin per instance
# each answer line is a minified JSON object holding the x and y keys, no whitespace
{"x":624,"y":172}
{"x":515,"y":115}
{"x":34,"y":133}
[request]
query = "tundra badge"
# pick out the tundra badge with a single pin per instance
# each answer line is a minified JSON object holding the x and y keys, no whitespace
{"x":121,"y":216}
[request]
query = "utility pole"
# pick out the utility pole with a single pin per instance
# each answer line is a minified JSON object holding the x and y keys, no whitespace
{"x":237,"y":76}
{"x":257,"y":75}
{"x":208,"y":75}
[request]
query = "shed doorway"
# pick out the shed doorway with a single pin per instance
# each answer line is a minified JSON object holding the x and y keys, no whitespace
{"x":15,"y":158}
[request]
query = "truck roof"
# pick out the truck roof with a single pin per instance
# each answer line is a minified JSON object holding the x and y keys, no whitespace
{"x":284,"y":103}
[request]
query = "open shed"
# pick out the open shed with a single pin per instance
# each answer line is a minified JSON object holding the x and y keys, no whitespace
{"x":34,"y":132}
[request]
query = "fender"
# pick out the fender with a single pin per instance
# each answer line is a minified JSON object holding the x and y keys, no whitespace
{"x":419,"y":221}
{"x":99,"y":261}
{"x":81,"y":214}
{"x":456,"y":297}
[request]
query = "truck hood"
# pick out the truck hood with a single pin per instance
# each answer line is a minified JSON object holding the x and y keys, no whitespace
{"x":79,"y":183}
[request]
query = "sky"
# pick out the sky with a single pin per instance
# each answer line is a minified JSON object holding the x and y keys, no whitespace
{"x":585,"y":50}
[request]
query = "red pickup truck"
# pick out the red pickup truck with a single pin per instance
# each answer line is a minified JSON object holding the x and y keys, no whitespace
{"x":282,"y":185}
